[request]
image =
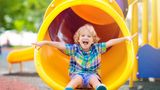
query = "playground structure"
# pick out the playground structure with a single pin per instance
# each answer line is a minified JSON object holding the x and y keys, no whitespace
{"x":148,"y":43}
{"x":19,"y":56}
{"x":63,"y":18}
{"x":148,"y":62}
{"x":59,"y":19}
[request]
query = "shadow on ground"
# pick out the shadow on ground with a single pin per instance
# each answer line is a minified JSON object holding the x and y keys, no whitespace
{"x":22,"y":74}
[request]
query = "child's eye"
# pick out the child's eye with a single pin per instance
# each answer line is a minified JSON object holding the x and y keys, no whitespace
{"x":82,"y":35}
{"x":89,"y":36}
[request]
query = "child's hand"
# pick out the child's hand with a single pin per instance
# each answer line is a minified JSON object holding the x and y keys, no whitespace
{"x":129,"y":38}
{"x":37,"y":45}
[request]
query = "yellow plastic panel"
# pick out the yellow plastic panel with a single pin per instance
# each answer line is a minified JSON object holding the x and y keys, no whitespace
{"x":21,"y":55}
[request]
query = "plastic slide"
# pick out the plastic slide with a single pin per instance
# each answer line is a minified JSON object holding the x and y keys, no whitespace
{"x":63,"y":18}
{"x":21,"y":55}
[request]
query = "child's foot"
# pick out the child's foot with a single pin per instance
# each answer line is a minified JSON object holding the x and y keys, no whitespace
{"x":68,"y":88}
{"x":101,"y":87}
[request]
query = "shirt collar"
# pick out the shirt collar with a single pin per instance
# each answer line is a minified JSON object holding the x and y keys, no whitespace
{"x":83,"y":50}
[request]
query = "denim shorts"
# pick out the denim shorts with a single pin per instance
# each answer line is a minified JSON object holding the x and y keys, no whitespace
{"x":85,"y":78}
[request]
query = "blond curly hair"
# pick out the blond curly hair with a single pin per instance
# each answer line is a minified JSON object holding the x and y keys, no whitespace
{"x":90,"y":29}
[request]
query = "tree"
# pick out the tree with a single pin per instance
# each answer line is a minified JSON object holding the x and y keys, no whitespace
{"x":22,"y":14}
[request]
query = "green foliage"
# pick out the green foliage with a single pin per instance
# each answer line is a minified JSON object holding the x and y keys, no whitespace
{"x":22,"y":14}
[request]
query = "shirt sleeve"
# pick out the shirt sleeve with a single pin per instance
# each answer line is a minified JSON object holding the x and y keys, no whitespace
{"x":102,"y":47}
{"x":69,"y":49}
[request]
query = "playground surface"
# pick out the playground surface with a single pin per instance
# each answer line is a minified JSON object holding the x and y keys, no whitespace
{"x":29,"y":79}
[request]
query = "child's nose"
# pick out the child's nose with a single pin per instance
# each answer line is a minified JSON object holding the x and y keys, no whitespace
{"x":86,"y":36}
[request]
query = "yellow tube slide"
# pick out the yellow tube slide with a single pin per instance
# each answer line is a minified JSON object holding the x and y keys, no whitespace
{"x":21,"y":55}
{"x":62,"y":19}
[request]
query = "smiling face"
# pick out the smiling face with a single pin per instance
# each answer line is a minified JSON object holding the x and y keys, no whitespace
{"x":85,"y":40}
{"x":86,"y":36}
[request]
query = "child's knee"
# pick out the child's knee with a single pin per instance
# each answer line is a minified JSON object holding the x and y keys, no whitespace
{"x":78,"y":78}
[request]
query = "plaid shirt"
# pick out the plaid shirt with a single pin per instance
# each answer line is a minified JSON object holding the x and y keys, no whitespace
{"x":81,"y":61}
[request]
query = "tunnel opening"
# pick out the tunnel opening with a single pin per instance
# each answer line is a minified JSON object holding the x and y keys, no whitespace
{"x":63,"y":27}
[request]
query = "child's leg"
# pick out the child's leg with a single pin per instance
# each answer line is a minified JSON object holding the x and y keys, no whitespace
{"x":96,"y":84}
{"x":94,"y":81}
{"x":75,"y":82}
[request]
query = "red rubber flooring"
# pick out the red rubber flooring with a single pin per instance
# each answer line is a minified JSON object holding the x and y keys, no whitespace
{"x":14,"y":84}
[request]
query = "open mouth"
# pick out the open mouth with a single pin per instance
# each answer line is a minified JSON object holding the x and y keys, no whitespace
{"x":85,"y":42}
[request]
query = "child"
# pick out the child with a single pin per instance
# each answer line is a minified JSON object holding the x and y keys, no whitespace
{"x":85,"y":57}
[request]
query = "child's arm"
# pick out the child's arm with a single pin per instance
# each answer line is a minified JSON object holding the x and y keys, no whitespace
{"x":58,"y":45}
{"x":118,"y":40}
